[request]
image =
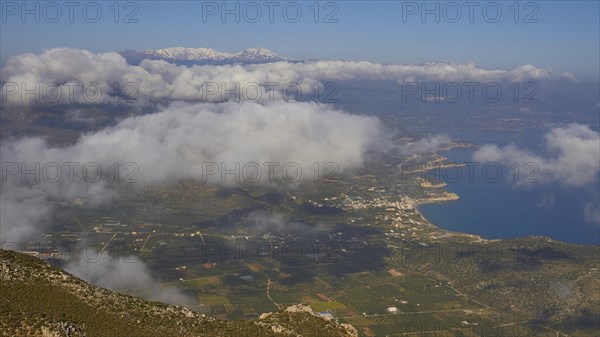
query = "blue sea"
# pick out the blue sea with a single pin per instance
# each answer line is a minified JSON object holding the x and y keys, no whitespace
{"x":506,"y":210}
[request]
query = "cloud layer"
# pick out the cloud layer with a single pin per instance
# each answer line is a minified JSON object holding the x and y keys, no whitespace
{"x":572,"y":156}
{"x":200,"y":139}
{"x":260,"y":143}
{"x":176,"y":142}
{"x":157,"y":80}
{"x":129,"y":275}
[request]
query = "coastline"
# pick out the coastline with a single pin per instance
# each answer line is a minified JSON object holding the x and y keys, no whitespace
{"x":477,"y":237}
{"x":444,"y":195}
{"x":429,"y":223}
{"x":448,"y":196}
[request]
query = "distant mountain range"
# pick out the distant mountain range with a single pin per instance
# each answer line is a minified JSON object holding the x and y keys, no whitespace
{"x":209,"y":56}
{"x":191,"y":56}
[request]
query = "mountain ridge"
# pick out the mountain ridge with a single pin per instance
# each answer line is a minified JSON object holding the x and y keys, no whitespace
{"x":209,"y":56}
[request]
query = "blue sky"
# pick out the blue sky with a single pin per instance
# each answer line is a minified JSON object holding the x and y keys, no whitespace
{"x":566,"y":36}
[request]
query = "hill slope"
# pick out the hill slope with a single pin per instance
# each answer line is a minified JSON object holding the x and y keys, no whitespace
{"x":38,"y":299}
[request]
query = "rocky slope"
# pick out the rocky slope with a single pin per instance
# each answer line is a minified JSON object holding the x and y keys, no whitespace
{"x":38,"y":299}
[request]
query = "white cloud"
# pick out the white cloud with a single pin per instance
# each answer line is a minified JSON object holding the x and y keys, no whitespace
{"x":429,"y":144}
{"x":22,"y":212}
{"x":177,"y":141}
{"x":156,"y":80}
{"x":277,"y":223}
{"x":591,"y":212}
{"x":572,"y":156}
{"x":547,"y":200}
{"x":126,"y":275}
{"x":183,"y":142}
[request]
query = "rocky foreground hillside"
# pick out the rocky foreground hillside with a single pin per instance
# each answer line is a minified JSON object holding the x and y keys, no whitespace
{"x":38,"y":299}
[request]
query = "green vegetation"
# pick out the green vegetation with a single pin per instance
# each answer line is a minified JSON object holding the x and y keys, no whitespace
{"x":37,"y":298}
{"x":363,"y":250}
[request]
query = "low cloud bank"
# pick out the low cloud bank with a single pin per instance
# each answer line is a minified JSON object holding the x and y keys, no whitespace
{"x":129,"y":275}
{"x":107,"y":78}
{"x":572,"y":159}
{"x":205,"y":142}
{"x":572,"y":156}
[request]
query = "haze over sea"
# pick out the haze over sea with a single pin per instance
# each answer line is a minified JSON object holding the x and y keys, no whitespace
{"x":505,"y":210}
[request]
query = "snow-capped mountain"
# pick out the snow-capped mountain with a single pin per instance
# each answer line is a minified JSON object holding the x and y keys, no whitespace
{"x":256,"y":55}
{"x":183,"y":55}
{"x":187,"y":54}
